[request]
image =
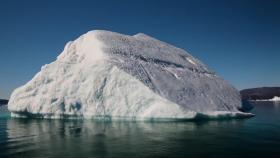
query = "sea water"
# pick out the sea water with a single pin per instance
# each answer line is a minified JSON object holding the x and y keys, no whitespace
{"x":39,"y":138}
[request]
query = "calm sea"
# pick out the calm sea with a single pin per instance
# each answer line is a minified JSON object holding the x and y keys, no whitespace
{"x":36,"y":138}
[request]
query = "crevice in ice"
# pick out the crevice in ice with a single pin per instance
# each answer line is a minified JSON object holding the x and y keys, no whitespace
{"x":99,"y":97}
{"x":146,"y":59}
{"x":159,"y":62}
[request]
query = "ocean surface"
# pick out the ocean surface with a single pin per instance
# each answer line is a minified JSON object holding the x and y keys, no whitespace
{"x":258,"y":136}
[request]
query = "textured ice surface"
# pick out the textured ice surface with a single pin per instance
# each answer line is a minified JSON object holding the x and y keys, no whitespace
{"x":106,"y":74}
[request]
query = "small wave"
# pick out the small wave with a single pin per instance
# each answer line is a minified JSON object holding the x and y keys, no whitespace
{"x":217,"y":115}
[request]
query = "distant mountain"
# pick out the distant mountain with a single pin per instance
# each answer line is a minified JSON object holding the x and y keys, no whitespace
{"x":262,"y":93}
{"x":3,"y":102}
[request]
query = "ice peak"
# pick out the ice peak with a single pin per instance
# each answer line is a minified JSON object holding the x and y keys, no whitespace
{"x":142,"y":35}
{"x":86,"y":48}
{"x":97,"y":32}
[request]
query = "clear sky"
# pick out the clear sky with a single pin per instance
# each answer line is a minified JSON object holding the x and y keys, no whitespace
{"x":238,"y":39}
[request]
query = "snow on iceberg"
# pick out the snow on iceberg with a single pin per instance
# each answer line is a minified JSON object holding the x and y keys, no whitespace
{"x":104,"y":74}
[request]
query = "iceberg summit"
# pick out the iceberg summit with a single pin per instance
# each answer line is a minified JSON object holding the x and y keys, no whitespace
{"x":103,"y":74}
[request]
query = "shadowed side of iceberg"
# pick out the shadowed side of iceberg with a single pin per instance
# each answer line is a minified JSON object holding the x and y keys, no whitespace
{"x":170,"y":72}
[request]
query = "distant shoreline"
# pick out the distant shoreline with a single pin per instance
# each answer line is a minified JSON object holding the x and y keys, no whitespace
{"x":261,"y":94}
{"x":3,"y":102}
{"x":274,"y":99}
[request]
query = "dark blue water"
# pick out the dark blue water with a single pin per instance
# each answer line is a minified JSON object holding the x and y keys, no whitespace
{"x":253,"y":137}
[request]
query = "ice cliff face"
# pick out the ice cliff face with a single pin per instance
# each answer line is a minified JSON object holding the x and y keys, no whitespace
{"x":106,"y":74}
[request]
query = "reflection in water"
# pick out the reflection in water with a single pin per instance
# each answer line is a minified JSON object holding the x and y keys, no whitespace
{"x":75,"y":138}
{"x":86,"y":138}
{"x":276,"y":104}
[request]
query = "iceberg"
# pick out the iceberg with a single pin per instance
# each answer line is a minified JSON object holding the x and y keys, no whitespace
{"x":104,"y":74}
{"x":274,"y":99}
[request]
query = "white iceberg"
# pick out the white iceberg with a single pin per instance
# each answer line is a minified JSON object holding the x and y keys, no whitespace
{"x":274,"y":99}
{"x":104,"y":74}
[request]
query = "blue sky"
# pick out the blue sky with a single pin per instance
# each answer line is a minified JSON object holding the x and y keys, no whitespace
{"x":239,"y":40}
